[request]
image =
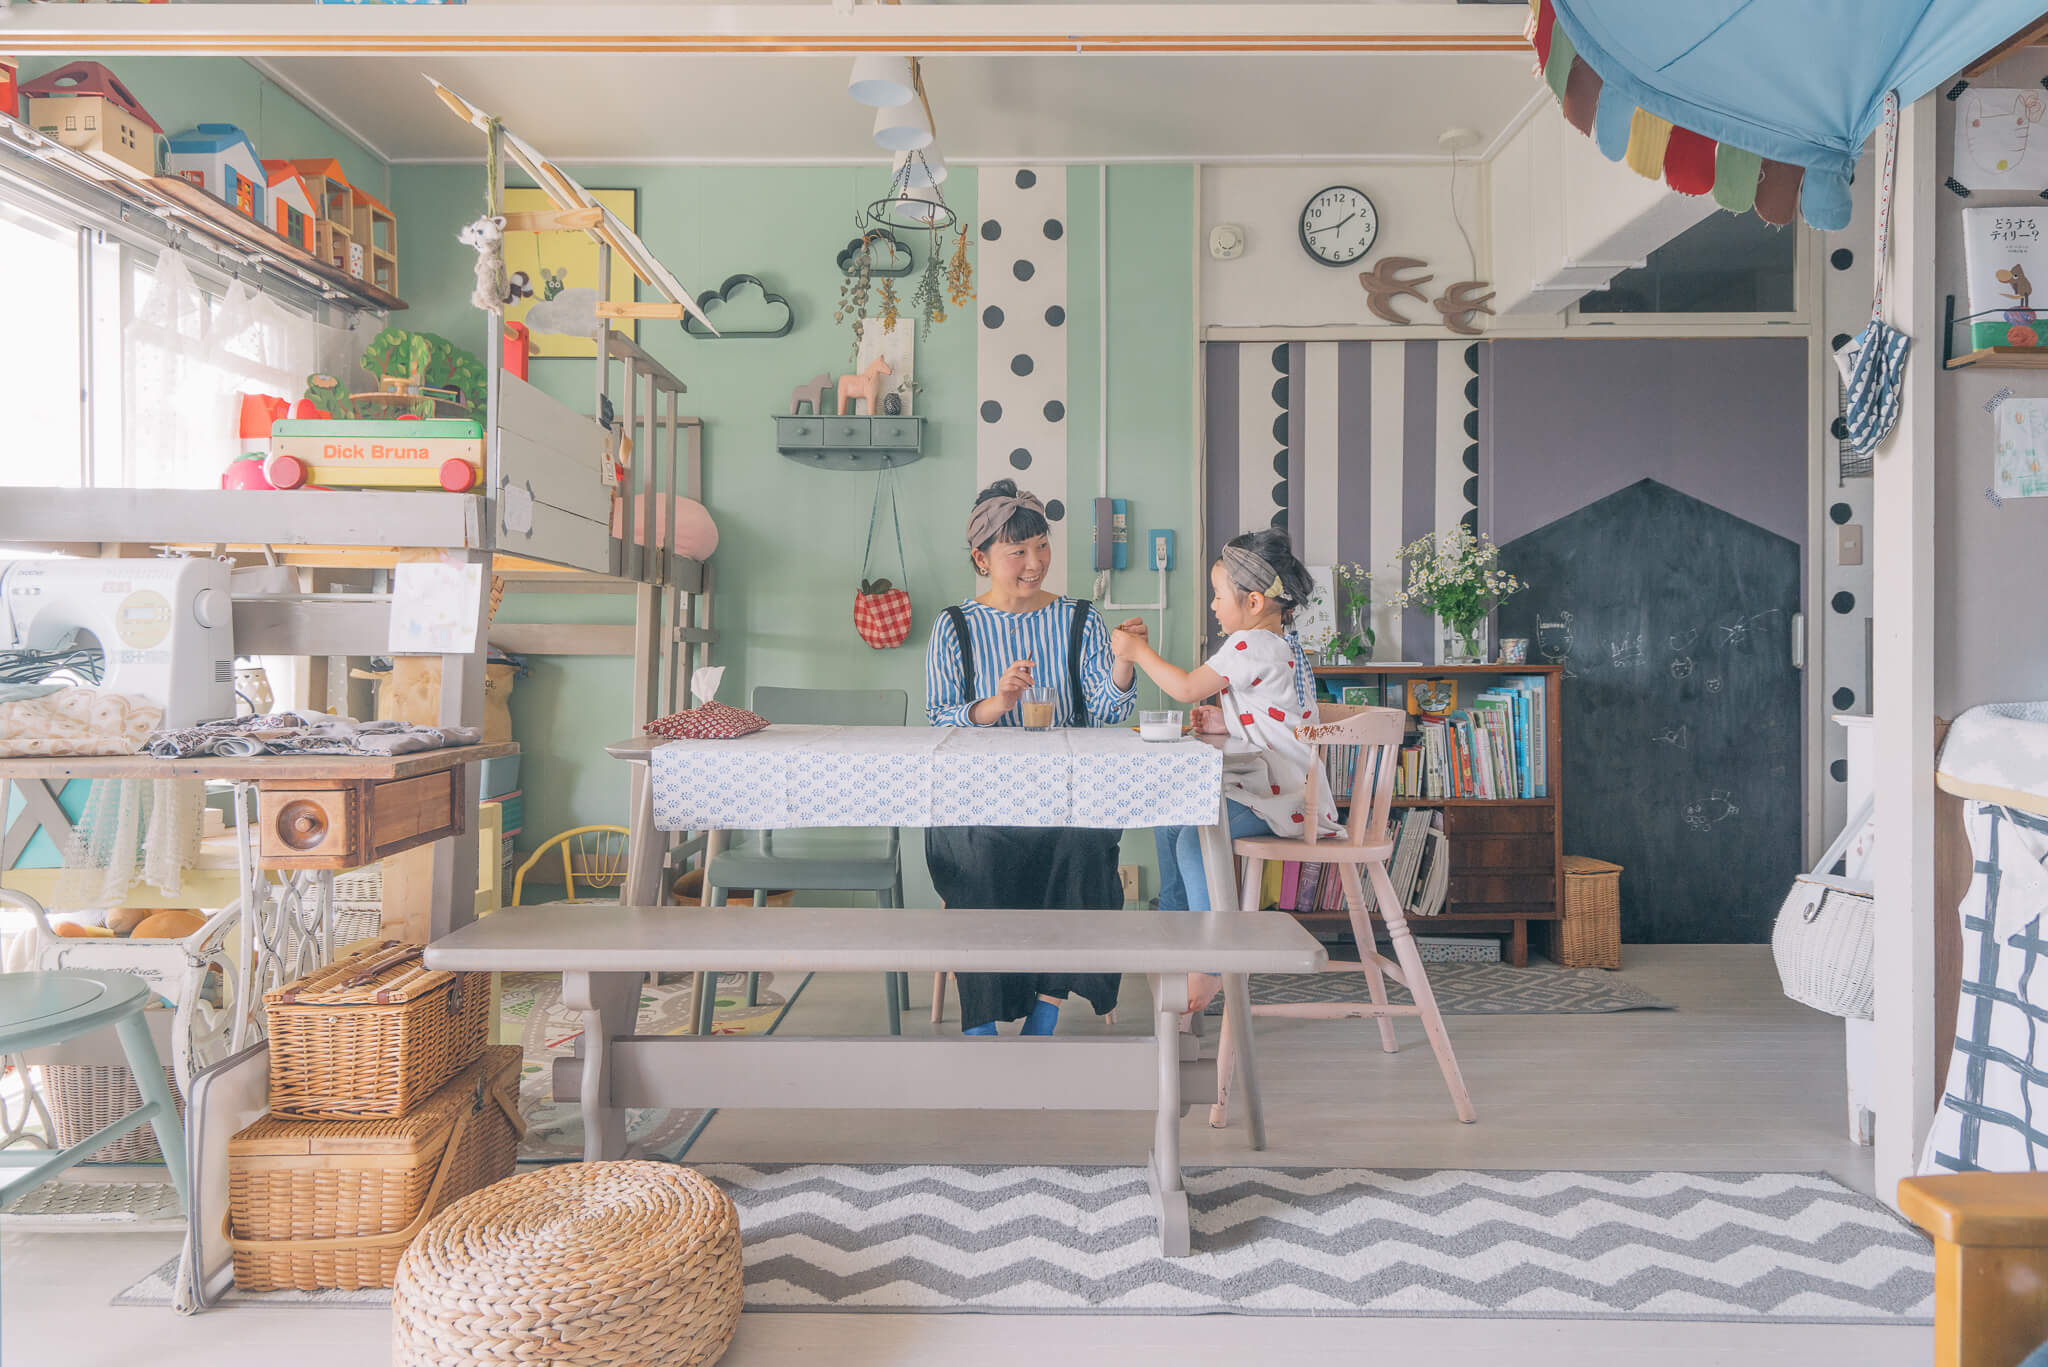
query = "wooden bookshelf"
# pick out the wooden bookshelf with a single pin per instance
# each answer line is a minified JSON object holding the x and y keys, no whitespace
{"x":1506,"y":853}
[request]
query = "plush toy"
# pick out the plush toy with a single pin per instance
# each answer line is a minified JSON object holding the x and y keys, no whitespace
{"x":493,"y":288}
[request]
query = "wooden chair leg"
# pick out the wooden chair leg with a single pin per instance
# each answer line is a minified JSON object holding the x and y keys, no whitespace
{"x":1410,"y":960}
{"x":1360,"y":908}
{"x":938,"y":997}
{"x":1250,"y":873}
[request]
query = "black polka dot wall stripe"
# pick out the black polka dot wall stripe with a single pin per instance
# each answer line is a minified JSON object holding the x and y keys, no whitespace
{"x":991,"y":411}
{"x":1054,"y":230}
{"x":1023,"y":270}
{"x":1278,"y":522}
{"x":991,"y":317}
{"x":1472,"y":456}
{"x":1845,"y":698}
{"x":1472,"y":424}
{"x":1840,"y":513}
{"x":1280,"y":358}
{"x":1020,"y":364}
{"x":1839,"y":429}
{"x":991,"y":230}
{"x":1842,"y":258}
{"x":1055,"y":511}
{"x":1472,"y":491}
{"x":1055,"y":316}
{"x":1839,"y":771}
{"x":1026,"y":179}
{"x":1841,"y":340}
{"x":1280,"y":465}
{"x":1020,"y":459}
{"x":1055,"y":411}
{"x":1280,"y":391}
{"x":1472,"y":358}
{"x":1844,"y":601}
{"x":1470,"y":521}
{"x":1280,"y":491}
{"x":1472,"y":391}
{"x":1280,"y":429}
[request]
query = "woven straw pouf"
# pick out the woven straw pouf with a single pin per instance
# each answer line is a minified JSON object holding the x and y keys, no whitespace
{"x":575,"y":1265}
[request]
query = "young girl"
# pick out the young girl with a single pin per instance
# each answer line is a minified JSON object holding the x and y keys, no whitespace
{"x":1267,"y":691}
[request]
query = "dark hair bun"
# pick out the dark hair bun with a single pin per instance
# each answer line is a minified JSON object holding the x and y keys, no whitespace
{"x":1002,"y":488}
{"x":1271,"y":545}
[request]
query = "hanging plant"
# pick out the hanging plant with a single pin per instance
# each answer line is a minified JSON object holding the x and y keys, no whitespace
{"x":928,"y":304}
{"x":854,"y":288}
{"x":960,"y":274}
{"x":889,"y":311}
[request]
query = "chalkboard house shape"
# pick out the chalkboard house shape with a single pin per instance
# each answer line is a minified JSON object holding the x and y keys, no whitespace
{"x":220,"y":159}
{"x":1673,"y":621}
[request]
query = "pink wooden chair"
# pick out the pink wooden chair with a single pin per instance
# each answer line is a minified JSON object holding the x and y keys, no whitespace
{"x":1365,"y":843}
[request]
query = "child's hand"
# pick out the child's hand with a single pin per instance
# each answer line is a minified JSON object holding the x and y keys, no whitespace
{"x":1124,"y":645}
{"x":1209,"y":721}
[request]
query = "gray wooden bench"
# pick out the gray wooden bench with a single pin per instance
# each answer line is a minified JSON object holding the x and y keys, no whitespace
{"x":602,"y":953}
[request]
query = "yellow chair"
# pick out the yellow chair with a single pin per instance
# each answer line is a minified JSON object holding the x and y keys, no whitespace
{"x":594,"y":854}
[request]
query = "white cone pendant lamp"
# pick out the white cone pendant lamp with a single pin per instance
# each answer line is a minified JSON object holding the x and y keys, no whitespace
{"x":881,"y":81}
{"x":919,"y":170}
{"x":903,"y":127}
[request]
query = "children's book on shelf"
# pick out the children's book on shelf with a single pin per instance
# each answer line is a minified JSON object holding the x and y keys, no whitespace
{"x":2004,"y":248}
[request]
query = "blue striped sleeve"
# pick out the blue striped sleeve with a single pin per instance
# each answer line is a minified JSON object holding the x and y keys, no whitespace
{"x":1108,"y":705}
{"x":946,"y":703}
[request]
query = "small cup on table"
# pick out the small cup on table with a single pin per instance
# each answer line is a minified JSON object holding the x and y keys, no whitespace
{"x":1038,"y":706}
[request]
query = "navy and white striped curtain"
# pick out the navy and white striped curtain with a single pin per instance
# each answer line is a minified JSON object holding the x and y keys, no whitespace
{"x":1355,"y":448}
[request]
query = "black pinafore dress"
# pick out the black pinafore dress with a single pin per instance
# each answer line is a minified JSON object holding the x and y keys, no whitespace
{"x":1026,"y":867}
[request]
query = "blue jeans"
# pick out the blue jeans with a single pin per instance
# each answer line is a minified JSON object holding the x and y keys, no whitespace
{"x":1183,"y":884}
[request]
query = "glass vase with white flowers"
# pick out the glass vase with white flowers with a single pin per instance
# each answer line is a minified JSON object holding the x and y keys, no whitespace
{"x":1457,"y":575}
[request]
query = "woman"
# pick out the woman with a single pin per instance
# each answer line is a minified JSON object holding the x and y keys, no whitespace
{"x":983,"y":654}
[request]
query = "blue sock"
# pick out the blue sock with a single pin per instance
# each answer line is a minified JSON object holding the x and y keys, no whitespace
{"x":985,"y":1028}
{"x":1044,"y":1016}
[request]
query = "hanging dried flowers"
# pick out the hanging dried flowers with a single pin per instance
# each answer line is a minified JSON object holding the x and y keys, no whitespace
{"x":854,"y":287}
{"x":928,"y":305}
{"x":889,"y":314}
{"x":959,"y":274}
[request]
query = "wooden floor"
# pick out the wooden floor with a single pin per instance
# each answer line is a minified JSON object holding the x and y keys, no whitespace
{"x":1737,"y":1078}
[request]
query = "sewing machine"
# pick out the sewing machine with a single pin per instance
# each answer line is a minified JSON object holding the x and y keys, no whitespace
{"x":164,"y":627}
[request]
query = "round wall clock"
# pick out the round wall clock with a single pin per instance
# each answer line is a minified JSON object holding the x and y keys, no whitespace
{"x":1338,"y":225}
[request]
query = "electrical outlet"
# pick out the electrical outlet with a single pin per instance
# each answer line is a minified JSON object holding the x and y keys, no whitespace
{"x":1849,"y":544}
{"x":1162,"y":548}
{"x":1128,"y":875}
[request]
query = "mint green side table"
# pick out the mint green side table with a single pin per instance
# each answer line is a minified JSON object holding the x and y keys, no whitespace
{"x":40,"y":1009}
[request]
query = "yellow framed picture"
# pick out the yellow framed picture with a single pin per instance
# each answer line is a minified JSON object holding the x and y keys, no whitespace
{"x":1432,"y":697}
{"x":561,"y":271}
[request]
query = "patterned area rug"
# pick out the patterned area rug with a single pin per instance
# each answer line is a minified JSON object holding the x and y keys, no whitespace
{"x":1775,"y":1247}
{"x":1471,"y":990}
{"x":530,"y":1010}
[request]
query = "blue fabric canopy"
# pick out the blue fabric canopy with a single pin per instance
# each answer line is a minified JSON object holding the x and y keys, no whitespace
{"x":1800,"y":82}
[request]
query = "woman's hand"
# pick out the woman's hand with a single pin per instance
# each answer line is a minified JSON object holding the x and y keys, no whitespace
{"x":1209,"y":721}
{"x":1124,"y":645}
{"x":1011,"y":686}
{"x":1135,"y":627}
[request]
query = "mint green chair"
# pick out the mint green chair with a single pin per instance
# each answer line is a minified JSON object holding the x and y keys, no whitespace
{"x":855,"y":860}
{"x":41,"y":1009}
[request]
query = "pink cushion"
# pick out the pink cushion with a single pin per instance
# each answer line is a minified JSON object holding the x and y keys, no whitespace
{"x":696,"y":533}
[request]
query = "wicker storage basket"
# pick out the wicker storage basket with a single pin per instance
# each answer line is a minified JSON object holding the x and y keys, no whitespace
{"x":620,"y":1264}
{"x":1589,"y":936}
{"x":372,"y":1035}
{"x":84,"y":1100}
{"x":316,"y":1205}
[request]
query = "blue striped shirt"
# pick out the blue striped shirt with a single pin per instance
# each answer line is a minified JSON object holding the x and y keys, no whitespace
{"x":1000,"y":639}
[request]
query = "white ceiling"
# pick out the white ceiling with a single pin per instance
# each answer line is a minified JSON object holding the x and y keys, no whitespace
{"x":794,"y":109}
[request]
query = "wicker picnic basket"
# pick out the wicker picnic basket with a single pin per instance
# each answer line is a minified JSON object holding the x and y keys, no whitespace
{"x":1589,"y":935}
{"x":372,"y":1035}
{"x":86,"y":1098}
{"x":318,"y":1205}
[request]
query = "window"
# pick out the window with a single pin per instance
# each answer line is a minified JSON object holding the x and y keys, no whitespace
{"x":40,"y":385}
{"x":1725,"y":264}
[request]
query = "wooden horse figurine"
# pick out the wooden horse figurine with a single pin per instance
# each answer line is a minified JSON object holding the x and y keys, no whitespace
{"x":811,"y":392}
{"x":866,"y":385}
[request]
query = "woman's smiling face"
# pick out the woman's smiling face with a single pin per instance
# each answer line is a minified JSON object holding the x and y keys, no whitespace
{"x":1017,"y":567}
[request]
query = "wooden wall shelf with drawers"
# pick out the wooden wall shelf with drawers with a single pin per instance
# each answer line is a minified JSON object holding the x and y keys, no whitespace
{"x":1505,"y":852}
{"x":849,"y":441}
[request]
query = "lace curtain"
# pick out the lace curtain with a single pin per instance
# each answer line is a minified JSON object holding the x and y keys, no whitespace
{"x":190,"y":356}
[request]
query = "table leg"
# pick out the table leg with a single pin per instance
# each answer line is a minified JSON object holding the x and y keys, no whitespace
{"x":646,"y":848}
{"x":1219,"y":865}
{"x":610,"y":1005}
{"x":1162,"y":1172}
{"x":148,"y":1071}
{"x":704,"y":986}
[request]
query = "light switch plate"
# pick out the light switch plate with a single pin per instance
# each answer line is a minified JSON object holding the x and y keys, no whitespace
{"x":1849,"y":544}
{"x":1128,"y":875}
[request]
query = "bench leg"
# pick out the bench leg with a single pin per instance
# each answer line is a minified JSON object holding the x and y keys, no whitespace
{"x":1235,"y":1059}
{"x":1162,"y":1173}
{"x":610,"y":1005}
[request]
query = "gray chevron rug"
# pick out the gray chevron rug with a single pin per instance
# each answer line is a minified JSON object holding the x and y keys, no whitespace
{"x":1470,"y":989}
{"x":1776,"y":1246}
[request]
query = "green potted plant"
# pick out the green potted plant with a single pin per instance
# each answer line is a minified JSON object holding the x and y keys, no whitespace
{"x":1355,"y":638}
{"x":1456,"y":574}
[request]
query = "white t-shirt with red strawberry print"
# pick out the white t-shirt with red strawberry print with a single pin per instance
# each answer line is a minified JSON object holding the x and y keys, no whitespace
{"x":1267,"y":694}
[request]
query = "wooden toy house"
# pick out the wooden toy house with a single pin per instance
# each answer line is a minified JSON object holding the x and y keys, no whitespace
{"x":333,"y":208}
{"x":220,"y":159}
{"x":292,"y":215}
{"x":376,"y":232}
{"x":85,"y":107}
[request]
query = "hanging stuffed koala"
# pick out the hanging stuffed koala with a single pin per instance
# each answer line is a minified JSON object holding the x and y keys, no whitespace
{"x":487,"y":235}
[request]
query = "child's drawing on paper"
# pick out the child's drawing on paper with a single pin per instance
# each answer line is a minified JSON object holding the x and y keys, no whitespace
{"x":1994,"y":140}
{"x":2020,"y":460}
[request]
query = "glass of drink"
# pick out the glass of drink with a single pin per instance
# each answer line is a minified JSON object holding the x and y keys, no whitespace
{"x":1039,"y":708}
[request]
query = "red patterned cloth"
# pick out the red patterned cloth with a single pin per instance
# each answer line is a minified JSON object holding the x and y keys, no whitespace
{"x":882,"y":619}
{"x":707,"y":721}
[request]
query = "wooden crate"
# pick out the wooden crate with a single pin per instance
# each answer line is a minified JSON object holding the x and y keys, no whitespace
{"x":346,"y":823}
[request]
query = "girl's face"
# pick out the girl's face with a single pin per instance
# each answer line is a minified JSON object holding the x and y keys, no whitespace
{"x":1016,"y":567}
{"x":1234,"y":611}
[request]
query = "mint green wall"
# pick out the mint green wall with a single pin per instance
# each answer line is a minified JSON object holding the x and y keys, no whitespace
{"x":180,"y":92}
{"x":791,"y":539}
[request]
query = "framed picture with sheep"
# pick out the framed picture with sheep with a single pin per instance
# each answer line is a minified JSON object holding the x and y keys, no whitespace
{"x":553,"y":277}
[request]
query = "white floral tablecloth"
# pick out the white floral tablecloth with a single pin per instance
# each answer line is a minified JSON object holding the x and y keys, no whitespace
{"x":795,"y":776}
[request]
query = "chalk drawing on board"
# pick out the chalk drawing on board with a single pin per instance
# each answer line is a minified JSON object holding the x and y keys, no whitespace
{"x":1626,"y":653}
{"x":1554,"y":643}
{"x":1713,"y":685}
{"x":1678,"y":737}
{"x":1711,"y":810}
{"x":1681,"y":668}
